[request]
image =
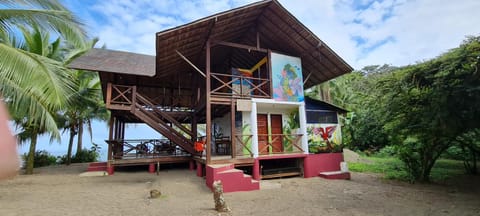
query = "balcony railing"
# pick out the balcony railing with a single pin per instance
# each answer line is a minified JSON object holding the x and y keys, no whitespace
{"x":239,"y":86}
{"x":144,"y":148}
{"x":270,"y":144}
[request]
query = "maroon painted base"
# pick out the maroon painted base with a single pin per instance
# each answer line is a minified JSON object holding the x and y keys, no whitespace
{"x":313,"y":164}
{"x":97,"y":166}
{"x":111,"y":170}
{"x":232,"y":179}
{"x":151,"y":168}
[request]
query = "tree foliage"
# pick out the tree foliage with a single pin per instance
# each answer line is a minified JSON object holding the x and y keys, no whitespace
{"x":421,"y":109}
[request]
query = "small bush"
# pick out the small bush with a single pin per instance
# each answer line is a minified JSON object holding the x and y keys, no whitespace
{"x":83,"y":156}
{"x":387,"y":151}
{"x":42,"y":158}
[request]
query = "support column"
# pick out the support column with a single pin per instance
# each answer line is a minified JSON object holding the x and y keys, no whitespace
{"x":253,"y":120}
{"x":191,"y":165}
{"x":110,"y":137}
{"x":256,"y":170}
{"x":199,"y":169}
{"x":303,"y":127}
{"x":233,"y":149}
{"x":151,"y":168}
{"x":208,"y":107}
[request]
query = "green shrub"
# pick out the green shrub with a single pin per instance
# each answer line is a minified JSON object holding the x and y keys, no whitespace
{"x":387,"y":151}
{"x":83,"y":156}
{"x":42,"y":158}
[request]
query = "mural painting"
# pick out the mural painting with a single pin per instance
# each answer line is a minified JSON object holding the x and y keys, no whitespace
{"x":324,"y":138}
{"x":287,"y":78}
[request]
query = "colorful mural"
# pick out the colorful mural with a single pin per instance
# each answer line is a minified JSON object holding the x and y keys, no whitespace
{"x":287,"y":78}
{"x":324,"y":137}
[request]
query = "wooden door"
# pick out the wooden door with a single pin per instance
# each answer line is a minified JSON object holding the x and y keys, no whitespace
{"x":276,"y":130}
{"x":262,"y":130}
{"x":264,"y":133}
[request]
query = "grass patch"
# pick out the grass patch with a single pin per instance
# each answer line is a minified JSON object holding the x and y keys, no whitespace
{"x":392,"y":168}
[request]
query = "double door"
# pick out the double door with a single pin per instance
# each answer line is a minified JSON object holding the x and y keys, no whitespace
{"x":269,"y":128}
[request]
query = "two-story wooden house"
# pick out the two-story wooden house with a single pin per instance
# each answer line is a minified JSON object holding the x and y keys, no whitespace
{"x":239,"y":75}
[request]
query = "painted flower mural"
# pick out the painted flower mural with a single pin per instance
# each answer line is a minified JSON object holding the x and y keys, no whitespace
{"x":287,"y":78}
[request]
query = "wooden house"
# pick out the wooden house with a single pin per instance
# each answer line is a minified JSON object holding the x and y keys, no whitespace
{"x":240,"y":73}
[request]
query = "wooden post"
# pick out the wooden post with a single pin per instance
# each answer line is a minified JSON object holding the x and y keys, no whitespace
{"x":208,"y":106}
{"x":256,"y":169}
{"x":109,"y":94}
{"x":134,"y":99}
{"x":232,"y":129}
{"x":110,"y":137}
{"x":269,"y":72}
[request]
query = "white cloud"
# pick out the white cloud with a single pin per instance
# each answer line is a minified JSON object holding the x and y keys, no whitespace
{"x":364,"y":32}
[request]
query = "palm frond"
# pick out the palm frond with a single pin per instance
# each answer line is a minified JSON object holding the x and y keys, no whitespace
{"x":59,"y":21}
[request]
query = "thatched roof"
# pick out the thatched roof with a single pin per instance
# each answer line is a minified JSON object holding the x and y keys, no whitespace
{"x":104,"y":60}
{"x":278,"y":31}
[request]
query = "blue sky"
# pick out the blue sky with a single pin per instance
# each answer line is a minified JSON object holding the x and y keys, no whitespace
{"x":363,"y":32}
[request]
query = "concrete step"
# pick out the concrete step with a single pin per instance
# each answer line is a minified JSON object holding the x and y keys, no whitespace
{"x":335,"y":175}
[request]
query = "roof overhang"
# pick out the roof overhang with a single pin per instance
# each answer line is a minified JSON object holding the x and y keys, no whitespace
{"x":278,"y":30}
{"x":111,"y":61}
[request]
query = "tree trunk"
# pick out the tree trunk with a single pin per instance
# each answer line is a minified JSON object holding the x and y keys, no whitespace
{"x":31,"y":154}
{"x":70,"y":145}
{"x":220,"y":204}
{"x":80,"y":136}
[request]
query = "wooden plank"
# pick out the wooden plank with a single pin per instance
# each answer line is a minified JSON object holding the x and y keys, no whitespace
{"x":190,"y":63}
{"x":240,"y":46}
{"x":278,"y":175}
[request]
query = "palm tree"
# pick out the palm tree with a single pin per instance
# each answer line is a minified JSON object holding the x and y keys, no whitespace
{"x":87,"y":104}
{"x":33,"y":85}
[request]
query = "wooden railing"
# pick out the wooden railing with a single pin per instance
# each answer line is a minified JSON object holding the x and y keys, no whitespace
{"x":144,"y":148}
{"x":120,"y":96}
{"x":245,"y":144}
{"x":239,"y":86}
{"x":290,"y":143}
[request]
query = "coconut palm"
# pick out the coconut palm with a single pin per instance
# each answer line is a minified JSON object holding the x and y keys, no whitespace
{"x":33,"y":85}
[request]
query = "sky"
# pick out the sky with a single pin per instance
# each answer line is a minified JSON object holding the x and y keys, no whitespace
{"x":362,"y":32}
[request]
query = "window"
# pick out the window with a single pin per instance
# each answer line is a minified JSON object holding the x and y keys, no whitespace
{"x":325,"y":117}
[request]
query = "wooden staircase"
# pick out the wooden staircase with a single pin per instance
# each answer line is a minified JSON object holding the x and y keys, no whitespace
{"x":127,"y":98}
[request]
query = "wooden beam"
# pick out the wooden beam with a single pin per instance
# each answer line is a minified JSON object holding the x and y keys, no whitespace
{"x":306,"y":78}
{"x":190,"y":63}
{"x":240,"y":46}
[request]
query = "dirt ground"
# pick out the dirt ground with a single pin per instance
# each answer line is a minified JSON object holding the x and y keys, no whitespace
{"x":61,"y":191}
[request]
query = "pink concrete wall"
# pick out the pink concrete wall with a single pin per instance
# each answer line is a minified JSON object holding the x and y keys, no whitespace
{"x":313,"y":164}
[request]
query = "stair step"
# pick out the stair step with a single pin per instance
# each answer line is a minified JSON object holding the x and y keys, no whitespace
{"x":335,"y":175}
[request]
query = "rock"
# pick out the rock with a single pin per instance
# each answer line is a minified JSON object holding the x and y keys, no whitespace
{"x":154,"y":193}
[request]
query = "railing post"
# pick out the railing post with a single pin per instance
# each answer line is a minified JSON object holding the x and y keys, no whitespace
{"x":134,"y":99}
{"x":109,"y":94}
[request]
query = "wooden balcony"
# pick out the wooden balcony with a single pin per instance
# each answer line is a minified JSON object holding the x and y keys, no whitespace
{"x":237,"y":86}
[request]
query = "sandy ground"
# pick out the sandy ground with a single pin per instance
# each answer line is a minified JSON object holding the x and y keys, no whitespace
{"x":61,"y":191}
